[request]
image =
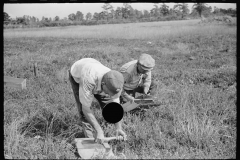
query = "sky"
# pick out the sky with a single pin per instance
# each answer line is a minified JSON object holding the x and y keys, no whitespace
{"x":64,"y":9}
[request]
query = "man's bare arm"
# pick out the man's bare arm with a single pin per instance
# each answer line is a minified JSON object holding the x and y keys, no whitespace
{"x":119,"y":125}
{"x":93,"y":121}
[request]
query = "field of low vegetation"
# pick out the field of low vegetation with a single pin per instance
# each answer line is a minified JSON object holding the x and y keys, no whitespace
{"x":195,"y":70}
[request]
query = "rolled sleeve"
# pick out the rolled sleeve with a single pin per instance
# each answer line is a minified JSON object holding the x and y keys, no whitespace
{"x":86,"y":94}
{"x":85,"y":99}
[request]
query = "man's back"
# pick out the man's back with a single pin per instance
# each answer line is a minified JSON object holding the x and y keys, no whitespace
{"x":88,"y":68}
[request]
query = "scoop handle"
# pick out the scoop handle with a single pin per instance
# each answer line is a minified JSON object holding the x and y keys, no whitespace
{"x":107,"y":139}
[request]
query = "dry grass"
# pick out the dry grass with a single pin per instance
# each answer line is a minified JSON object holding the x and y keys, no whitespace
{"x":153,"y":30}
{"x":195,"y":73}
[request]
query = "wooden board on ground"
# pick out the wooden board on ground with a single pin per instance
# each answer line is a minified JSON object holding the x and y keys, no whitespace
{"x":128,"y":106}
{"x":15,"y":82}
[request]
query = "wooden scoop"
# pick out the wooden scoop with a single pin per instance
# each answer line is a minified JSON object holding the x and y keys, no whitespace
{"x":87,"y":147}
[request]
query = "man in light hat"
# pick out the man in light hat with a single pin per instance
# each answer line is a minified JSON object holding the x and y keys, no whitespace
{"x":137,"y":78}
{"x":89,"y":78}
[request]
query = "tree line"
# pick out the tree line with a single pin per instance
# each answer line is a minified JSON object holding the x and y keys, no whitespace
{"x":123,"y":14}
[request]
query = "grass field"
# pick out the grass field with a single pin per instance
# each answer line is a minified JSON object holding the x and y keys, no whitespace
{"x":195,"y":70}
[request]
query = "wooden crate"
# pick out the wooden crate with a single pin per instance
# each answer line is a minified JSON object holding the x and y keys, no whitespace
{"x":15,"y":82}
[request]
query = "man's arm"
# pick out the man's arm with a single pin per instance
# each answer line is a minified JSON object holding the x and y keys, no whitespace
{"x":86,"y":98}
{"x":147,"y":81}
{"x":118,"y":125}
{"x":127,"y":96}
{"x":120,"y":134}
{"x":93,"y":121}
{"x":126,"y":80}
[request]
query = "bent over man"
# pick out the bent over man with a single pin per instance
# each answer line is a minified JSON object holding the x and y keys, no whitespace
{"x":89,"y":78}
{"x":138,"y":78}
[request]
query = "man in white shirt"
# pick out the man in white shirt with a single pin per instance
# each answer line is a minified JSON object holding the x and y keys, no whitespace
{"x":138,"y":78}
{"x":89,"y":78}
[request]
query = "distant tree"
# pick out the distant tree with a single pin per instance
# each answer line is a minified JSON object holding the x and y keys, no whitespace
{"x":228,"y":11}
{"x":79,"y":16}
{"x":33,"y":19}
{"x":27,"y":19}
{"x":107,"y":8}
{"x":207,"y":11}
{"x":216,"y":10}
{"x":96,"y":16}
{"x":47,"y":20}
{"x":118,"y":13}
{"x":136,"y":13}
{"x":172,"y":12}
{"x":164,"y":9}
{"x":126,"y":10}
{"x":72,"y":17}
{"x":182,"y":8}
{"x":139,"y":14}
{"x":112,"y":14}
{"x":185,"y":10}
{"x":56,"y":18}
{"x":21,"y":20}
{"x":194,"y":13}
{"x":224,"y":11}
{"x":43,"y":19}
{"x":131,"y":12}
{"x":199,"y":7}
{"x":232,"y":11}
{"x":6,"y":17}
{"x":125,"y":13}
{"x":155,"y":12}
{"x":102,"y":15}
{"x":88,"y":16}
{"x":146,"y":14}
{"x":13,"y":21}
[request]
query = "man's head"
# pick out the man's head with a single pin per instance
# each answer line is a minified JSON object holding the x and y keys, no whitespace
{"x":145,"y":63}
{"x":112,"y":83}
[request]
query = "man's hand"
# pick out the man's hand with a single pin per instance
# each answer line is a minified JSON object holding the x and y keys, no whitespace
{"x":121,"y":135}
{"x":131,"y":99}
{"x":145,"y":90}
{"x":99,"y":137}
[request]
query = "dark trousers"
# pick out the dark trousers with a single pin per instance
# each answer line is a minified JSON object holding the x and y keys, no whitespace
{"x":152,"y":91}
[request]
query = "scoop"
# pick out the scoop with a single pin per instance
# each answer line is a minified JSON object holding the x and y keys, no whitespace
{"x":88,"y":148}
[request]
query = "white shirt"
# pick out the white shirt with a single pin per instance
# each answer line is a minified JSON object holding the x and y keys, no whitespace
{"x":132,"y":79}
{"x":89,"y":72}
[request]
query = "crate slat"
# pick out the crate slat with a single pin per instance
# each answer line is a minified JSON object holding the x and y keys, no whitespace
{"x":15,"y":82}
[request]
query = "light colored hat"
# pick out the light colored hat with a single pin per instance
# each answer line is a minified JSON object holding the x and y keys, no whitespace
{"x":146,"y":61}
{"x":114,"y":81}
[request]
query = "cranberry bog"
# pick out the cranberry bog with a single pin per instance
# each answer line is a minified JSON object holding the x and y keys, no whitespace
{"x":195,"y":70}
